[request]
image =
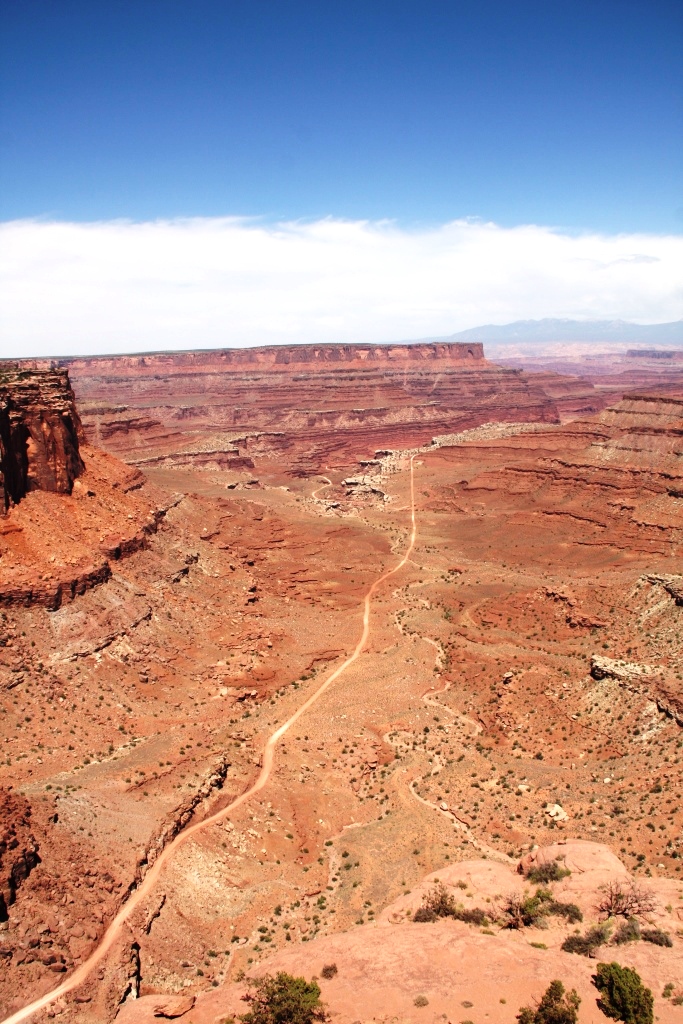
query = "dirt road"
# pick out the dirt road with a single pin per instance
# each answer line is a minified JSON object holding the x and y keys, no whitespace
{"x":148,"y":883}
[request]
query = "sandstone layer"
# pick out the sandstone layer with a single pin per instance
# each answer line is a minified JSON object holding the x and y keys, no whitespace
{"x":308,"y":407}
{"x":40,"y":433}
{"x":610,"y":375}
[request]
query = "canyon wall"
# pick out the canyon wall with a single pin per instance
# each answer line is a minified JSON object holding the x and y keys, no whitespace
{"x":39,"y":433}
{"x":318,"y":407}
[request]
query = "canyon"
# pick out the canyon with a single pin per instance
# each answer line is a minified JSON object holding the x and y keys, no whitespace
{"x":307,"y":407}
{"x":458,"y":585}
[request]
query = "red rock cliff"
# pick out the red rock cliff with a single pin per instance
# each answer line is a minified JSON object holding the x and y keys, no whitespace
{"x":39,"y":434}
{"x":306,"y":406}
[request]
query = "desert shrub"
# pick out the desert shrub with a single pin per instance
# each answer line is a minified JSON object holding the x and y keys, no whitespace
{"x":420,"y":1001}
{"x":283,"y":999}
{"x":622,"y":994}
{"x":569,"y":911}
{"x":439,"y":903}
{"x":474,"y":915}
{"x":424,"y":914}
{"x":329,"y":971}
{"x":626,"y":900}
{"x":586,"y":944}
{"x":556,"y":1007}
{"x":656,"y":936}
{"x":524,"y":911}
{"x":548,"y":871}
{"x":628,"y":931}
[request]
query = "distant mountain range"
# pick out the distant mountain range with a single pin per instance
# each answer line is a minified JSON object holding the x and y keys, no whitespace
{"x":549,"y":335}
{"x":575,"y":330}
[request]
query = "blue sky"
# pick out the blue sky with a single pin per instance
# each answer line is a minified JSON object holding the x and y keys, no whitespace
{"x":556,"y":113}
{"x":243,"y":172}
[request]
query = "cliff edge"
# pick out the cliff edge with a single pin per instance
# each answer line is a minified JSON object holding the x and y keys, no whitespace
{"x":40,"y":432}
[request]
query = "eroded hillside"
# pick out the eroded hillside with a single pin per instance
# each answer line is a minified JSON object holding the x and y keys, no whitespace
{"x":520,"y":685}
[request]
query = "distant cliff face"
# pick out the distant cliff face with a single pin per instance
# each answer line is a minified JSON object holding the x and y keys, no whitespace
{"x":306,"y":406}
{"x":39,"y":434}
{"x":271,"y":357}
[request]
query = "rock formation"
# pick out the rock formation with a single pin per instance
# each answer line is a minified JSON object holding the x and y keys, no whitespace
{"x":307,"y":406}
{"x":40,"y":433}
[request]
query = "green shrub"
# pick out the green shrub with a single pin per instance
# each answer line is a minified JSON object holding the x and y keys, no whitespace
{"x":283,"y":999}
{"x":549,"y":871}
{"x":622,"y":994}
{"x":586,"y":944}
{"x":556,"y":1007}
{"x":523,"y":911}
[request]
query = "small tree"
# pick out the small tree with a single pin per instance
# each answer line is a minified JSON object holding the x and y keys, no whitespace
{"x":284,"y":999}
{"x":556,"y":1007}
{"x":622,"y":994}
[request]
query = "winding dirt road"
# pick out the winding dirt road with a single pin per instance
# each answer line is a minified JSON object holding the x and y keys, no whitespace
{"x":149,"y":881}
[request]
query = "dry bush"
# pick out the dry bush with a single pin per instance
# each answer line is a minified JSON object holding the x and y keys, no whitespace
{"x":630,"y":900}
{"x":585,"y":945}
{"x":439,"y":903}
{"x":656,"y":936}
{"x":628,"y":931}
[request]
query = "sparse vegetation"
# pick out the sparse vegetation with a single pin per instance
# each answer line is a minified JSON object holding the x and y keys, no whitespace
{"x":439,"y":903}
{"x":556,"y":1007}
{"x":525,"y":911}
{"x":656,"y":936}
{"x":622,"y":994}
{"x":585,"y":945}
{"x":546,"y":872}
{"x":628,"y":931}
{"x":283,"y":999}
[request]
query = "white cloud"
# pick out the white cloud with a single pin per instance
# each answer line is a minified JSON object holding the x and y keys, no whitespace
{"x":119,"y":287}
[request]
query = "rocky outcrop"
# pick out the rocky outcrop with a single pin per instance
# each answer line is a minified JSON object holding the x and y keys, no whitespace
{"x":39,"y":434}
{"x":18,"y":848}
{"x":620,"y":471}
{"x":652,"y":681}
{"x":52,"y":593}
{"x":673,"y":585}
